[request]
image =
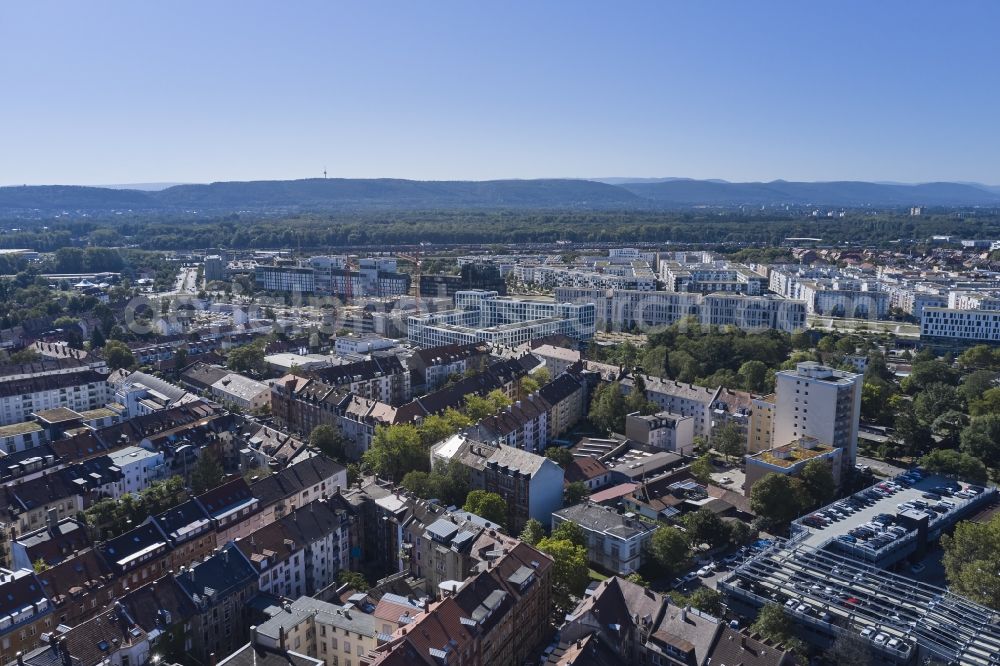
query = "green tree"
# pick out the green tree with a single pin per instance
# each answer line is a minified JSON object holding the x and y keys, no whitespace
{"x":487,"y":505}
{"x":775,"y":626}
{"x":669,"y":548}
{"x":975,"y":384}
{"x":532,"y":533}
{"x":528,"y":385}
{"x":575,"y":492}
{"x":570,"y":572}
{"x":247,"y":359}
{"x":207,"y":473}
{"x":607,"y":408}
{"x":954,"y":463}
{"x":972,"y":561}
{"x":987,"y":403}
{"x":118,"y":355}
{"x":570,"y":531}
{"x":775,"y":499}
{"x":560,"y":455}
{"x":978,"y":357}
{"x":354,"y":579}
{"x":704,"y":526}
{"x":981,"y":438}
{"x":478,"y":407}
{"x":934,"y":400}
{"x":729,"y":441}
{"x":328,"y":441}
{"x":396,"y":450}
{"x":740,"y":533}
{"x":180,"y":359}
{"x":817,"y":481}
{"x":636,"y":579}
{"x":422,"y":484}
{"x":702,"y":468}
{"x":97,"y":339}
{"x":707,"y":600}
{"x":753,"y":376}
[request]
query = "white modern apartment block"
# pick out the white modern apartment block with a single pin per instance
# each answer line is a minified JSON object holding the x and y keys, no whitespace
{"x":484,"y":316}
{"x":715,"y":276}
{"x":79,"y":391}
{"x":638,"y":276}
{"x":630,"y":309}
{"x":953,"y":324}
{"x":140,"y":468}
{"x":973,"y":300}
{"x":819,"y":402}
{"x":827,"y":291}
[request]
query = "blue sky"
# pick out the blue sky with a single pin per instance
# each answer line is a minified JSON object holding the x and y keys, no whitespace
{"x":123,"y":92}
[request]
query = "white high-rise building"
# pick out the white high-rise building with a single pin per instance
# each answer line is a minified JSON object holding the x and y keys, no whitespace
{"x":817,"y":401}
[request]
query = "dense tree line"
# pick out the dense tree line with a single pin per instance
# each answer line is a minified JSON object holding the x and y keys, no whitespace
{"x":490,"y":226}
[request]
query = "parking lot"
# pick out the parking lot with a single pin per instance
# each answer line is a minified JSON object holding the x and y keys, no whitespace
{"x":820,"y":536}
{"x":831,"y":593}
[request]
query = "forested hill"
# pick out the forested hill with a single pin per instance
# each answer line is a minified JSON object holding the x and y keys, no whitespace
{"x":339,"y":194}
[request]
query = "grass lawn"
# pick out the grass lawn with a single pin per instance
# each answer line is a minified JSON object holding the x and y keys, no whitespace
{"x":594,"y":575}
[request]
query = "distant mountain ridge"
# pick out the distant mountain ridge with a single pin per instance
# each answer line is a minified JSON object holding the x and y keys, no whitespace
{"x":319,"y":194}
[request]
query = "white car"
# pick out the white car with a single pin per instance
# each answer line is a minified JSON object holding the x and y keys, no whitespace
{"x":880,"y":639}
{"x":894,"y":644}
{"x":706,"y":570}
{"x":867,"y":632}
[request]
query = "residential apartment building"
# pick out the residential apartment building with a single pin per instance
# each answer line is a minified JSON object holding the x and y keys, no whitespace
{"x":663,"y":430}
{"x":242,"y":392}
{"x":25,"y":613}
{"x":680,"y":399}
{"x":335,"y":634}
{"x":140,"y":468}
{"x":383,"y":378}
{"x":615,"y":542}
{"x":220,"y":588}
{"x":761,"y":434}
{"x":816,"y":401}
{"x":484,"y":316}
{"x":627,"y":310}
{"x":79,"y":391}
{"x":432,"y":366}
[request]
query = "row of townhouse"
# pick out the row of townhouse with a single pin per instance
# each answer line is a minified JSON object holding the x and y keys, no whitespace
{"x":497,"y":616}
{"x":302,"y":502}
{"x":535,"y":421}
{"x":383,"y":378}
{"x":530,"y":484}
{"x":301,"y":403}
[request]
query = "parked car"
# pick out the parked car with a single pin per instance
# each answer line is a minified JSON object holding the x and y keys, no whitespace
{"x":917,"y":568}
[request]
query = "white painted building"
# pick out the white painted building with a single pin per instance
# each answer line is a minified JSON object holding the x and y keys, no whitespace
{"x":819,"y":402}
{"x":953,"y":324}
{"x":140,"y":468}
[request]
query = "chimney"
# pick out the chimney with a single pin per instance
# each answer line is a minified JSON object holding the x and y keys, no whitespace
{"x":53,"y":518}
{"x":20,"y":659}
{"x":281,"y":638}
{"x":211,"y":659}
